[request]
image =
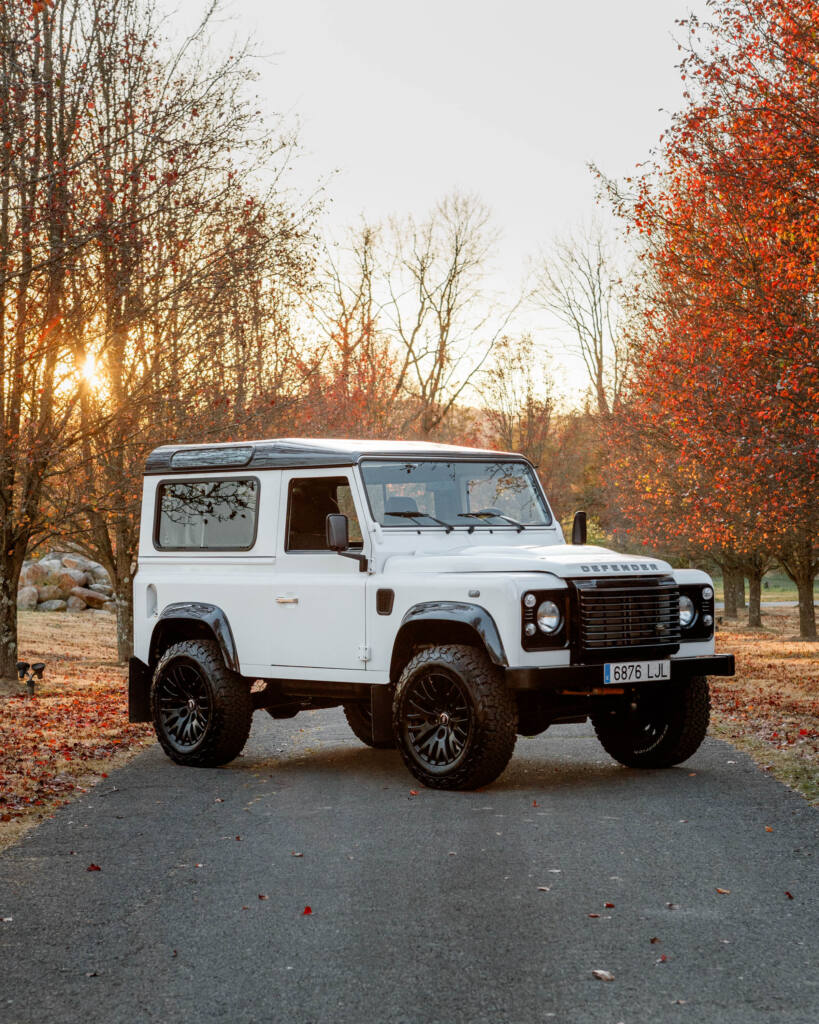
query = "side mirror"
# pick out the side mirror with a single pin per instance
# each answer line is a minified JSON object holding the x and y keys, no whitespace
{"x":338,"y":532}
{"x":579,"y":528}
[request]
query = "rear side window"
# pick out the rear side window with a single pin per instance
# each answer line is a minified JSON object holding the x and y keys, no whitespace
{"x":202,"y":515}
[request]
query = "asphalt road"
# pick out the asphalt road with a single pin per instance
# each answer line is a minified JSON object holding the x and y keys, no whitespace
{"x":425,"y":908}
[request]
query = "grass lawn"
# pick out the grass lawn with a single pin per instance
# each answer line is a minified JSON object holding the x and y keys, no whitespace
{"x":70,"y":735}
{"x":776,"y":586}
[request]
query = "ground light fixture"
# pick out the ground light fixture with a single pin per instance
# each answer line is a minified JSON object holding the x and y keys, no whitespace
{"x":30,"y":672}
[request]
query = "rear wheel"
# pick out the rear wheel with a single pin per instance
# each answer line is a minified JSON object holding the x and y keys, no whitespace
{"x":360,"y":719}
{"x":201,"y":710}
{"x":454,"y":720}
{"x":667,"y":726}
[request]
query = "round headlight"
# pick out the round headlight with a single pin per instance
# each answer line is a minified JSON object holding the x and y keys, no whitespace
{"x":529,"y":629}
{"x":707,"y":593}
{"x":548,"y":617}
{"x":687,"y":611}
{"x":530,"y":600}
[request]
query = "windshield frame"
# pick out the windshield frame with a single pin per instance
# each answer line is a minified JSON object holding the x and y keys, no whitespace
{"x":469,"y":525}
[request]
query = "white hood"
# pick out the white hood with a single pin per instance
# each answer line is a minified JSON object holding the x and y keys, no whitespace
{"x":563,"y":560}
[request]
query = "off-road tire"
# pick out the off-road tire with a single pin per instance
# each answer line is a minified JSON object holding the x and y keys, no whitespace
{"x":224,"y":703}
{"x":360,"y":720}
{"x":668,"y":730}
{"x":490,"y":711}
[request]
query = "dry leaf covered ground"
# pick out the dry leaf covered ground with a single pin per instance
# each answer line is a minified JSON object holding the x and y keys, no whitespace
{"x":75,"y":729}
{"x":770,"y":709}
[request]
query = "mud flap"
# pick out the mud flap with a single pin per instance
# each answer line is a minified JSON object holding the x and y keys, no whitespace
{"x":139,"y":691}
{"x":381,"y":706}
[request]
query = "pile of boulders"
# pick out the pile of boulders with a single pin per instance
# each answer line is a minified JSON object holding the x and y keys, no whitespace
{"x":60,"y":582}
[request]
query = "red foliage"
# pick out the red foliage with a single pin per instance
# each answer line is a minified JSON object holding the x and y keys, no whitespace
{"x":722,"y":434}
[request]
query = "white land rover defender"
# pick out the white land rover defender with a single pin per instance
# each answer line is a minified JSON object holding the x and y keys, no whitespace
{"x":426,"y":588}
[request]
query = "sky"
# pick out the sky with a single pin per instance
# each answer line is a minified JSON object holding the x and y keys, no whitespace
{"x":400,"y":103}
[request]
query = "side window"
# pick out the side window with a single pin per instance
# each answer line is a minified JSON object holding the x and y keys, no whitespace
{"x":207,"y":514}
{"x":310,"y":501}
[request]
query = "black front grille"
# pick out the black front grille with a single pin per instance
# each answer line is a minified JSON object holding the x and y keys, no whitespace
{"x":618,"y":616}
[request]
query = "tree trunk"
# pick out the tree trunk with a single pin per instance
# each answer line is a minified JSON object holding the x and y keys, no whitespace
{"x":755,"y":598}
{"x":740,"y":585}
{"x":729,"y":587}
{"x":9,"y":575}
{"x":125,"y":620}
{"x":807,"y":611}
{"x":798,"y":562}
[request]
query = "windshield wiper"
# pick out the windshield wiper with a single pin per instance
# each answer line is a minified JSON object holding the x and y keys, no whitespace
{"x":492,"y":513}
{"x":416,"y":515}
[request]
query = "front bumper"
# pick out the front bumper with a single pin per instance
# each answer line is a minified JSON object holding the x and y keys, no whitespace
{"x":590,"y":677}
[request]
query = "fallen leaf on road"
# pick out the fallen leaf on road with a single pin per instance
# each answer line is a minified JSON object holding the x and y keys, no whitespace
{"x":307,"y":910}
{"x":654,"y":940}
{"x":534,"y":803}
{"x":174,"y":954}
{"x":603,"y":975}
{"x":238,"y":839}
{"x":594,"y":915}
{"x":294,"y":854}
{"x":790,"y":897}
{"x":673,"y":906}
{"x":661,"y":960}
{"x":724,"y":892}
{"x":93,"y":867}
{"x":413,"y":792}
{"x":218,"y":800}
{"x":768,"y":828}
{"x":262,"y":896}
{"x":6,"y":920}
{"x":609,"y":906}
{"x":544,"y":888}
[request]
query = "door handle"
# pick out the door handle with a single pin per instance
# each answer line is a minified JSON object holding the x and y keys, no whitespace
{"x":287,"y":600}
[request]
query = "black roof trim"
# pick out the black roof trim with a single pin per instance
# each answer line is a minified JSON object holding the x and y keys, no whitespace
{"x":287,"y":454}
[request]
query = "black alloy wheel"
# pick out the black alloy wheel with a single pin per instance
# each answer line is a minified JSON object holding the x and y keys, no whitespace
{"x":438,"y":720}
{"x":184,"y":705}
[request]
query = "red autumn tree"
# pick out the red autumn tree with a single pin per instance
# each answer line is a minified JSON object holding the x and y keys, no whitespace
{"x":724,"y":413}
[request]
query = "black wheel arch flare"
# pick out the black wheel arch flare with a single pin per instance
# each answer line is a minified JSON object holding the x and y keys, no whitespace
{"x":205,"y":618}
{"x":429,"y":620}
{"x":183,"y":620}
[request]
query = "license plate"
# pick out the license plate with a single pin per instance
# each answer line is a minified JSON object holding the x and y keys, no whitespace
{"x":636,"y":672}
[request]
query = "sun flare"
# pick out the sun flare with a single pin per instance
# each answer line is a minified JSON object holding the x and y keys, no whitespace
{"x":91,"y":372}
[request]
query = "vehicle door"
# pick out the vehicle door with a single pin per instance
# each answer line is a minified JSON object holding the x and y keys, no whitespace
{"x":319,"y":595}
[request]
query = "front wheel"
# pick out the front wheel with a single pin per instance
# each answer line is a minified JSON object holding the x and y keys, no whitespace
{"x":201,"y":710}
{"x":454,"y":720}
{"x":360,"y":720}
{"x":667,"y":726}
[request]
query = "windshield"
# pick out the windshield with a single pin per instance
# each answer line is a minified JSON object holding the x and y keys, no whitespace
{"x":466,"y":494}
